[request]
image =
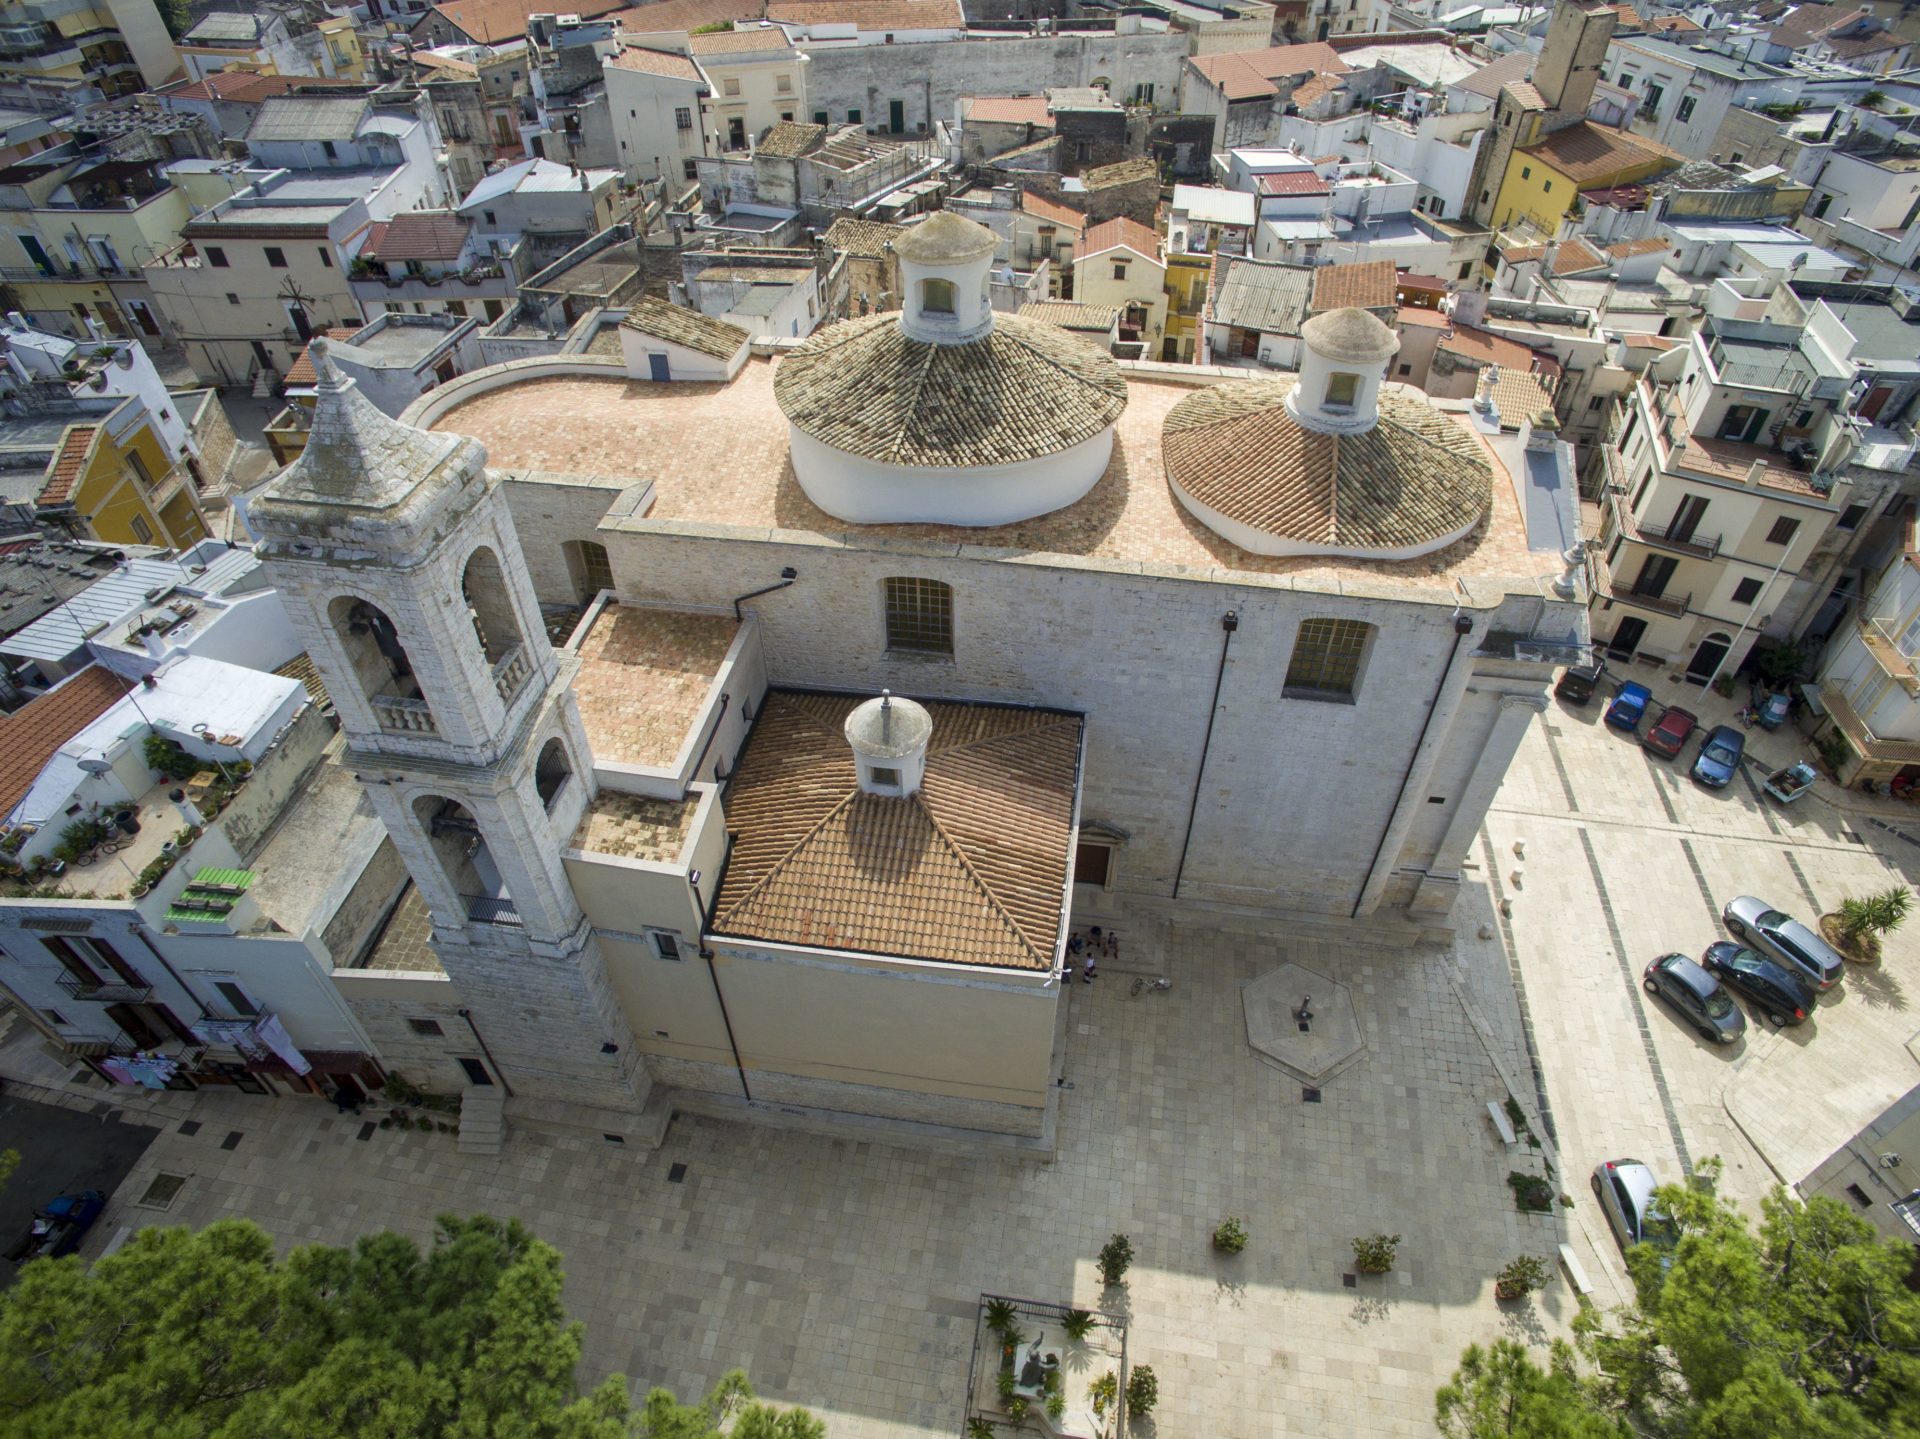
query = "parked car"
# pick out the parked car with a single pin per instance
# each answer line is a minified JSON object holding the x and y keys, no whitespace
{"x":1628,"y":706}
{"x":1697,"y":995}
{"x":1780,"y":992}
{"x":1780,"y":936}
{"x":1577,"y":685}
{"x":1719,"y":757}
{"x":59,"y":1227}
{"x":1669,"y":734}
{"x":1625,"y":1188}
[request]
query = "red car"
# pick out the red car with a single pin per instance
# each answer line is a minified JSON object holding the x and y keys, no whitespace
{"x":1669,"y":736}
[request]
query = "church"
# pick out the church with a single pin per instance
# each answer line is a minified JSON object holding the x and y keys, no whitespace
{"x":900,"y":654}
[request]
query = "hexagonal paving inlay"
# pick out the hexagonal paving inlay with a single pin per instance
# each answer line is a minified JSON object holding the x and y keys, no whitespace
{"x":1330,"y":1040}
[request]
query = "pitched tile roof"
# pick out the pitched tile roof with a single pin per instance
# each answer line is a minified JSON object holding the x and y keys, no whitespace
{"x":494,"y":22}
{"x":790,"y":139}
{"x":1574,"y":257}
{"x":1262,"y":295}
{"x":1117,"y":233}
{"x":301,"y":371}
{"x":971,"y":870}
{"x":739,"y":42}
{"x":1052,"y":211}
{"x":32,"y":734}
{"x":308,"y":117}
{"x":1487,"y":80}
{"x":1520,"y":254}
{"x":1412,"y":479}
{"x":660,"y":16}
{"x":870,"y":14}
{"x":1423,"y":319}
{"x":1294,"y":182}
{"x":1010,"y":110}
{"x":1674,"y":24}
{"x":1071,"y":315}
{"x":668,"y":64}
{"x":1025,"y":391}
{"x":1308,"y":91}
{"x":1249,"y":74}
{"x":1627,"y":249}
{"x":418,"y":235}
{"x":68,"y":465}
{"x":1810,"y":22}
{"x":1368,"y":285}
{"x":866,"y":238}
{"x":680,"y":326}
{"x":1121,"y":172}
{"x":1587,"y":153}
{"x":1519,"y":396}
{"x":1483,"y":347}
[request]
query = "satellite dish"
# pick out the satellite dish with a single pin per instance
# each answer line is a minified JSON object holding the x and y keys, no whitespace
{"x":1797,"y":261}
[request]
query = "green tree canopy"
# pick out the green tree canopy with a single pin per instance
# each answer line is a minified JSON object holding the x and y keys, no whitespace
{"x":205,"y":1335}
{"x":1802,"y":1326}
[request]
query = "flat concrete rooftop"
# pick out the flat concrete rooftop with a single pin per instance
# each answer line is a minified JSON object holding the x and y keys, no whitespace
{"x":717,"y":455}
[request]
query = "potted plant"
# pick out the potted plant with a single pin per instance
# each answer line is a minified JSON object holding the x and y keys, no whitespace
{"x":1078,"y":1324}
{"x":1531,"y":1193}
{"x":1143,"y":1392}
{"x":1104,"y":1392}
{"x":1856,"y":928}
{"x":1230,"y":1235}
{"x":1115,"y":1255}
{"x":978,"y":1428}
{"x":1373,"y":1254}
{"x":1520,"y":1278}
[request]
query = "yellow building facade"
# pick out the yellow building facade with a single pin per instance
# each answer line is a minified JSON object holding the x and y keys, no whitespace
{"x":121,"y":489}
{"x":1186,"y":284}
{"x":1544,"y":178}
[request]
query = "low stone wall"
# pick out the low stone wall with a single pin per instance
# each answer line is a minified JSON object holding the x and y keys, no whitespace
{"x":281,"y":770}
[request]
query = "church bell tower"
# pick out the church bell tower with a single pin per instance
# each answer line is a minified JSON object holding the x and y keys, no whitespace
{"x":396,"y":558}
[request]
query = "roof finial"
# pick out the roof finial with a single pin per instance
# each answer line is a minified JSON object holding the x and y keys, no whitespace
{"x":886,"y":714}
{"x":318,"y":356}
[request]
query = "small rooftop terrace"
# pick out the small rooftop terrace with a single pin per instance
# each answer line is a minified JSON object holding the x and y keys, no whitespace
{"x":644,"y":677}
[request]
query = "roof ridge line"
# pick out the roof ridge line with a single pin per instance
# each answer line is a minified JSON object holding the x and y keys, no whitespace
{"x":1046,"y":359}
{"x":793,"y":849}
{"x":919,"y":385}
{"x":986,"y":890}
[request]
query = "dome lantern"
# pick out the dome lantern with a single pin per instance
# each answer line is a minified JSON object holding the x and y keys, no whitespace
{"x":946,"y":265}
{"x":1343,"y":362}
{"x":889,"y":739}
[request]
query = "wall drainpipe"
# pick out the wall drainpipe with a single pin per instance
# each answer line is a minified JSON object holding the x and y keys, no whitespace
{"x":1229,"y":622}
{"x":787,"y":577}
{"x":467,"y":1015}
{"x":713,"y":974}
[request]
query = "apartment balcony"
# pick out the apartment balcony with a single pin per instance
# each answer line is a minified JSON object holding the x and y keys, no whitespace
{"x":1674,"y":607}
{"x":1890,"y":754}
{"x":63,"y":272}
{"x":1897,"y":665}
{"x":1660,"y":537}
{"x":492,"y":281}
{"x":118,"y":992}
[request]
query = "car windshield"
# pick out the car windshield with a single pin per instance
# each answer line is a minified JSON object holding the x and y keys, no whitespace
{"x":1658,"y":1230}
{"x":1720,"y":753}
{"x":1718,"y":1005}
{"x":1745,"y":961}
{"x":1773,"y":921}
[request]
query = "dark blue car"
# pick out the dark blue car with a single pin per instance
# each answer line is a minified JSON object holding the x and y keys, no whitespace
{"x":59,"y":1227}
{"x":1629,"y":706}
{"x":1719,"y":757}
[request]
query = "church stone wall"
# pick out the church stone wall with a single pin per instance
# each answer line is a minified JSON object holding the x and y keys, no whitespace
{"x":549,"y":511}
{"x":1297,"y":793}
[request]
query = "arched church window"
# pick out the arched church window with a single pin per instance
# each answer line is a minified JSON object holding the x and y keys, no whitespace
{"x":551,"y":772}
{"x":484,"y":585}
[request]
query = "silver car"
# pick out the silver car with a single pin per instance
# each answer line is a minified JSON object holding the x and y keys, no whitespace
{"x":1780,"y":936}
{"x":1625,"y":1188}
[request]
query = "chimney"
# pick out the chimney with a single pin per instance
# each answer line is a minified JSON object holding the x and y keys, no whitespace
{"x":1755,"y":471}
{"x":189,"y":811}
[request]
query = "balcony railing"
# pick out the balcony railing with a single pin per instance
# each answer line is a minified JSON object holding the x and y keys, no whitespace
{"x":1882,"y":644}
{"x":485,"y":909}
{"x":406,"y":714}
{"x":1604,"y":586}
{"x":1660,"y":537}
{"x":95,"y":992}
{"x":511,"y":672}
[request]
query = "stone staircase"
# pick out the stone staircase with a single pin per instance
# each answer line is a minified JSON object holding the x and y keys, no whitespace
{"x":482,"y":1119}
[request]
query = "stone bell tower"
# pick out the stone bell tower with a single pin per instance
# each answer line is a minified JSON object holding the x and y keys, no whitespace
{"x":396,"y":558}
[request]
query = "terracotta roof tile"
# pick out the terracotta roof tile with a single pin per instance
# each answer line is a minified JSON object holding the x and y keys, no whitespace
{"x":1519,"y":396}
{"x":790,"y":139}
{"x":668,"y":64}
{"x":1025,"y":391}
{"x":1309,"y":91}
{"x":1249,"y":74}
{"x":972,"y":870}
{"x":1010,"y":110}
{"x":678,"y":325}
{"x":1674,"y":24}
{"x":1414,"y":478}
{"x":1587,"y":153}
{"x":1422,"y":319}
{"x":870,"y":14}
{"x":755,"y":39}
{"x":1486,"y":348}
{"x":301,"y":371}
{"x":1121,"y":172}
{"x":1576,"y":257}
{"x":418,"y":235}
{"x":866,"y":238}
{"x":1052,"y":211}
{"x":494,"y":22}
{"x":661,"y":16}
{"x":31,"y":735}
{"x":1368,"y":285}
{"x":1294,"y":182}
{"x":1117,"y":233}
{"x":1520,"y":254}
{"x":1487,"y":80}
{"x":1627,"y":249}
{"x":1650,"y":342}
{"x":1070,"y":315}
{"x":68,"y":465}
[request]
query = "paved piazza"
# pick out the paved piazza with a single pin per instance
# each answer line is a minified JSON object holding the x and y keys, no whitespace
{"x":843,"y":1275}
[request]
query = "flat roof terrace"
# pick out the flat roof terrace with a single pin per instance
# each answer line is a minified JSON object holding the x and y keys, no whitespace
{"x":644,"y":675}
{"x":717,"y":455}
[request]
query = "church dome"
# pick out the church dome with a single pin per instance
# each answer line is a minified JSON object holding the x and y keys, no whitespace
{"x":1410,"y":483}
{"x":945,"y":412}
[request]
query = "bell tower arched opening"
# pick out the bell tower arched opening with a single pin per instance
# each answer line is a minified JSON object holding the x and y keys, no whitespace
{"x":453,"y":836}
{"x":379,"y":661}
